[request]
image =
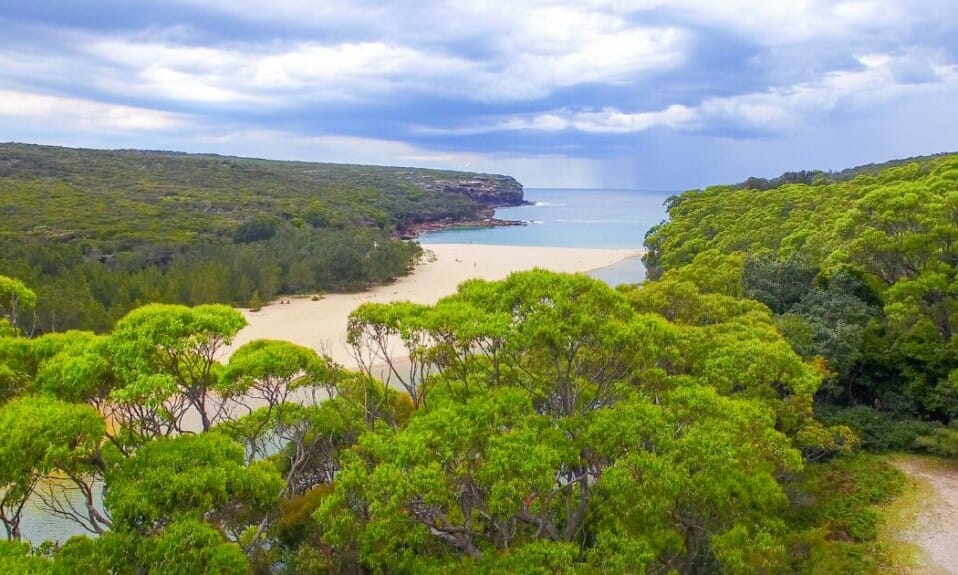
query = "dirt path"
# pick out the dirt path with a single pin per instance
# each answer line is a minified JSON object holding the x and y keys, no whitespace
{"x":935,"y":528}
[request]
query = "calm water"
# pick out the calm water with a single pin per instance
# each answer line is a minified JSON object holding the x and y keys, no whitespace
{"x":574,"y":219}
{"x":39,"y":525}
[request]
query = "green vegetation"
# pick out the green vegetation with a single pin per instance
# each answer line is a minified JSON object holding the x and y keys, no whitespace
{"x":548,"y":424}
{"x":98,"y":233}
{"x":708,"y":421}
{"x":862,"y":276}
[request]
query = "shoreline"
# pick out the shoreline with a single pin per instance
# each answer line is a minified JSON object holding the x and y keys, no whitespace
{"x":321,"y":324}
{"x":486,"y":218}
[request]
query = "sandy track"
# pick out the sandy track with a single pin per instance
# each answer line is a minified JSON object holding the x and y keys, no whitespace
{"x":935,"y":530}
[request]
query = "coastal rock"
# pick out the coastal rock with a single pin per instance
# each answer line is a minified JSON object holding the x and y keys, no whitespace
{"x":485,"y":189}
{"x":485,"y":221}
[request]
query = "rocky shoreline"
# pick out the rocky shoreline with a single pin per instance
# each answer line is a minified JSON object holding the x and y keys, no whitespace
{"x":485,"y":220}
{"x":488,"y":191}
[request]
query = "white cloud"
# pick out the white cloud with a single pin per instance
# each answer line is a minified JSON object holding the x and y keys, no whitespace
{"x":608,"y":120}
{"x":776,"y":110}
{"x":532,"y":64}
{"x":772,"y":22}
{"x":780,"y":22}
{"x":529,"y":49}
{"x":82,"y":114}
{"x":782,"y":109}
{"x":525,"y":50}
{"x":702,"y":67}
{"x":600,"y":56}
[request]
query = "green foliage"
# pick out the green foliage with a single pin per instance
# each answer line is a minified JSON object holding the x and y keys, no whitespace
{"x":41,"y":436}
{"x":190,"y":546}
{"x":256,"y":230}
{"x":778,"y":284}
{"x":879,"y":432}
{"x":18,"y":559}
{"x":549,"y":425}
{"x":859,"y":271}
{"x":15,"y":298}
{"x":942,"y":441}
{"x":186,"y":476}
{"x":99,"y":233}
{"x":274,"y":363}
{"x":184,"y":546}
{"x":165,"y":352}
{"x":18,"y":365}
{"x":255,"y":301}
{"x":296,"y":525}
{"x":835,"y":504}
{"x":559,"y":416}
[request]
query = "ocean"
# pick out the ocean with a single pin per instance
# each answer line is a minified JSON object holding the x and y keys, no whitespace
{"x":574,"y":218}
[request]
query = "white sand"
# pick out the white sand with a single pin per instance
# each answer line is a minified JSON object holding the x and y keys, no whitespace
{"x":321,"y":324}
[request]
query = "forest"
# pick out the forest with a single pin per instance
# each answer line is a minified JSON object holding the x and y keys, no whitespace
{"x":861,"y":276}
{"x":99,"y":233}
{"x":722,"y":417}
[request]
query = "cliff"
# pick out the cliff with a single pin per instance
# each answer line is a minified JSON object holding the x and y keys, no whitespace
{"x":485,"y":189}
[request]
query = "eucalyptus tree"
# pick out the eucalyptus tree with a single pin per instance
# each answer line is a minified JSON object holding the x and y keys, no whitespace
{"x":558,"y":425}
{"x":15,"y":298}
{"x":44,"y":436}
{"x":166,"y":357}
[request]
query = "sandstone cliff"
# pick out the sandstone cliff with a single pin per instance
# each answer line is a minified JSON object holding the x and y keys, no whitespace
{"x":485,"y":189}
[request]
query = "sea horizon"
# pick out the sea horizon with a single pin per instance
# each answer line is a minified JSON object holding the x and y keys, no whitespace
{"x":611,"y":218}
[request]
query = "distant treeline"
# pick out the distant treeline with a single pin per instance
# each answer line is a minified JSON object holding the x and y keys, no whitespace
{"x":97,"y":233}
{"x":819,"y":177}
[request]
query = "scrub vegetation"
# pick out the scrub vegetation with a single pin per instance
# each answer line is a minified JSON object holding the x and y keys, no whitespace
{"x":723,"y":417}
{"x":98,"y":233}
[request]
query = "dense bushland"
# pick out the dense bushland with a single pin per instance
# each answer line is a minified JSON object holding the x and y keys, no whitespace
{"x":97,"y":233}
{"x":545,"y":423}
{"x":862,"y":276}
{"x":707,"y":421}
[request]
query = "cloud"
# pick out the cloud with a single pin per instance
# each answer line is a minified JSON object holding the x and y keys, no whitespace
{"x":568,"y":82}
{"x":553,"y":48}
{"x":73,"y":113}
{"x":256,"y":77}
{"x":774,"y":111}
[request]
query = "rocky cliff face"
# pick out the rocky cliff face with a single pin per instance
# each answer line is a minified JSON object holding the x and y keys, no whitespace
{"x":485,"y":189}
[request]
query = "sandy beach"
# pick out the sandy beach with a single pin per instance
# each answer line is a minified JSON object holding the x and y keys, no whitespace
{"x":321,"y":324}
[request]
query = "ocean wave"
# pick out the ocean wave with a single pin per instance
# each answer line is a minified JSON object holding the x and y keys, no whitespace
{"x":547,"y":205}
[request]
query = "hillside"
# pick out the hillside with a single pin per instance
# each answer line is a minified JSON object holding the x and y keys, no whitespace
{"x":97,"y":232}
{"x":706,"y":421}
{"x":819,"y":177}
{"x":862,"y":276}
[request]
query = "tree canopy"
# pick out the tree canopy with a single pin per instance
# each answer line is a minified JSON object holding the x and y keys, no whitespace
{"x":704,"y":422}
{"x":859,"y":272}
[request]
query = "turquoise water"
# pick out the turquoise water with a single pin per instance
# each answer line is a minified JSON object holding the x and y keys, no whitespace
{"x":574,"y":219}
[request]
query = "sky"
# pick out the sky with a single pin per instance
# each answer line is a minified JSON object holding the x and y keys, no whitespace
{"x":645,"y":94}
